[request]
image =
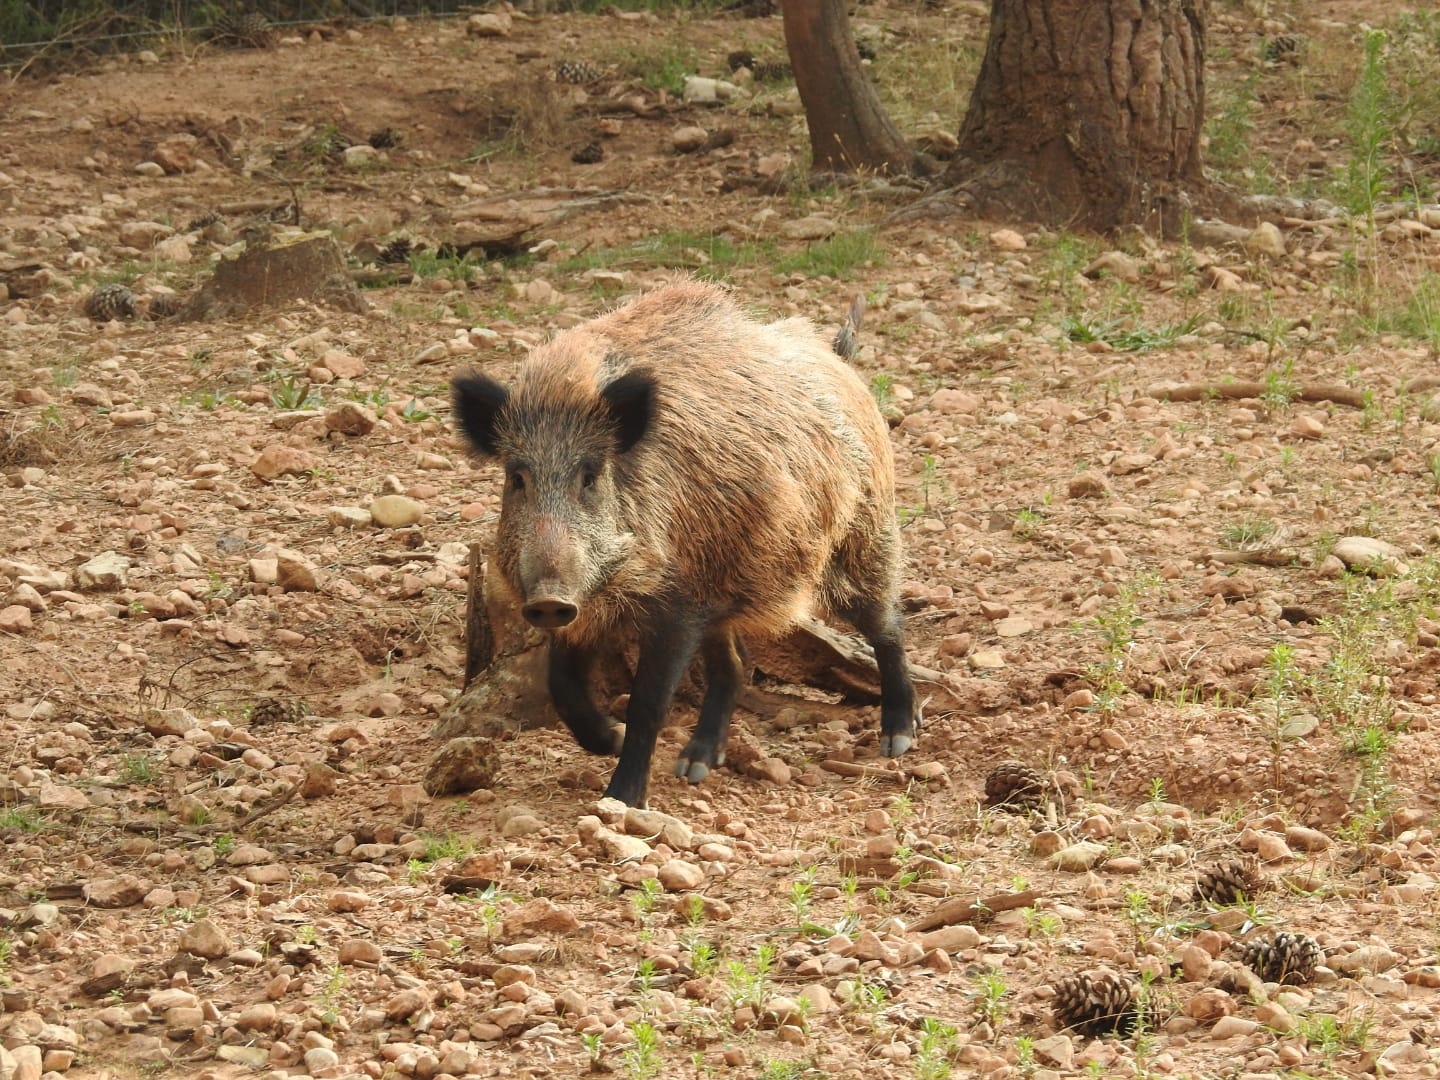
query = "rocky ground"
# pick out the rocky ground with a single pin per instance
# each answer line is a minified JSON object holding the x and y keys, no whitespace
{"x":1169,"y":508}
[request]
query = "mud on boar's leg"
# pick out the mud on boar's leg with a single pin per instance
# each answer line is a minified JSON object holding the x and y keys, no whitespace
{"x":568,"y":679}
{"x":879,"y":623}
{"x":667,"y":645}
{"x":724,"y":675}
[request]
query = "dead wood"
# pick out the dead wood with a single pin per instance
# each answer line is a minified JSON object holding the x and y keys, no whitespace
{"x":1235,"y":391}
{"x":962,"y":909}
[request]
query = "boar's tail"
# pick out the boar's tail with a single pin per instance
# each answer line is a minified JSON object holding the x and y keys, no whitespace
{"x":847,"y":344}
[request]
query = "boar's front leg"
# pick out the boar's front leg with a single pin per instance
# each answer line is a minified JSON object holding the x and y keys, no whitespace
{"x":724,"y":675}
{"x":667,"y":646}
{"x":569,"y":684}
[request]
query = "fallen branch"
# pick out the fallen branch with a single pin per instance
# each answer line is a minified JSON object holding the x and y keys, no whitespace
{"x":1233,"y":391}
{"x":963,"y":910}
{"x":1264,"y":557}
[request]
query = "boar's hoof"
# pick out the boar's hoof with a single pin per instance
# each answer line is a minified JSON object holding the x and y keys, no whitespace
{"x":895,"y":745}
{"x":693,"y":771}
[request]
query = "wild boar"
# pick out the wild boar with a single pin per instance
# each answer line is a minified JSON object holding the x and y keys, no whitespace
{"x":678,"y":472}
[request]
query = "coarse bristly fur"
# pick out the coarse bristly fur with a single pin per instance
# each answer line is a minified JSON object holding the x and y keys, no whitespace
{"x":680,"y":470}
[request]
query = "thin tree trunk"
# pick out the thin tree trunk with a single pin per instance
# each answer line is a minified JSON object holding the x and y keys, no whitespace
{"x":849,"y":130}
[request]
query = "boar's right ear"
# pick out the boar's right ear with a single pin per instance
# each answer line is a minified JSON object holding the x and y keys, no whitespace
{"x":630,"y":401}
{"x":478,"y":401}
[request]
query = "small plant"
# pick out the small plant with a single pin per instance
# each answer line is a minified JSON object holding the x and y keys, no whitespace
{"x":414,"y":412}
{"x":21,"y":818}
{"x":937,"y":1047}
{"x":137,"y":770}
{"x":1116,"y":623}
{"x":836,"y":256}
{"x":1331,"y":1035}
{"x":750,"y":985}
{"x":290,"y":392}
{"x":801,"y":897}
{"x":1250,"y":533}
{"x":646,"y":896}
{"x":1370,"y":126}
{"x":1026,"y":523}
{"x":1280,"y":387}
{"x":642,"y":1056}
{"x":594,"y":1050}
{"x":882,"y":387}
{"x":704,"y":959}
{"x":223,"y":845}
{"x":446,"y":846}
{"x":989,"y":997}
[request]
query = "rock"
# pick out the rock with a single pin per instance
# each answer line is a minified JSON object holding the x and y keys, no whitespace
{"x":350,"y":418}
{"x":461,"y":765}
{"x":349,"y":517}
{"x":293,"y":573}
{"x":948,"y":401}
{"x":251,"y":1057}
{"x":1229,"y":1027}
{"x":654,"y":824}
{"x":1367,"y":958}
{"x":348,"y":900}
{"x":1077,"y":857}
{"x":176,"y":154}
{"x":143,"y":234}
{"x":1007,"y":240}
{"x":1222,"y":280}
{"x":951,"y":939}
{"x":487,"y":24}
{"x":688,"y":139}
{"x":116,"y":892}
{"x":1114,"y":264}
{"x":259,"y":1017}
{"x":160,"y":722}
{"x":203,"y":938}
{"x":321,"y":1059}
{"x":341,"y":364}
{"x":278,"y":460}
{"x":108,"y":571}
{"x":677,"y":875}
{"x":28,"y":1062}
{"x":540,"y":915}
{"x":1307,"y":427}
{"x":1369,"y":555}
{"x":1057,"y":1051}
{"x":320,"y":780}
{"x":1266,"y":239}
{"x":1087,"y":485}
{"x":1305,"y":839}
{"x":14,"y":619}
{"x":359,"y":951}
{"x":396,"y":511}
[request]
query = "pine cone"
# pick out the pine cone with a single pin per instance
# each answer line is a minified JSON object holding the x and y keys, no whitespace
{"x":113,"y":301}
{"x":1095,"y":1003}
{"x":1016,"y":786}
{"x":1286,"y":48}
{"x":204,"y":221}
{"x":162,"y":305}
{"x":577,"y":73}
{"x":589,"y":154}
{"x":398,"y":250}
{"x":1283,"y":958}
{"x":271,"y":710}
{"x":244,"y":29}
{"x":1229,"y":882}
{"x":385,"y":138}
{"x":762,"y":70}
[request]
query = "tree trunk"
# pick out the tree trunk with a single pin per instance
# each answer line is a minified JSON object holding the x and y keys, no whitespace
{"x":849,"y":129}
{"x":1087,"y":112}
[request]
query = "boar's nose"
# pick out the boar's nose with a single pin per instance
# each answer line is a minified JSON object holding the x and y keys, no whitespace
{"x":549,"y":613}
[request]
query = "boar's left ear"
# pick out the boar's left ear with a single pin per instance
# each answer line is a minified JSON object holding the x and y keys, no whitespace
{"x":630,"y":401}
{"x":478,"y":400}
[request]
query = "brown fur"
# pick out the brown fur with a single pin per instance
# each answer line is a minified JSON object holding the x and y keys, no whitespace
{"x":766,"y":484}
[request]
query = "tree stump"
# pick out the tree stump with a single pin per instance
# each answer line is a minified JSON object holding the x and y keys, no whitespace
{"x":307,"y":266}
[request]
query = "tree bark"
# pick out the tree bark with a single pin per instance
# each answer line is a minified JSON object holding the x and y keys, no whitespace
{"x":1087,"y":113}
{"x":849,"y":129}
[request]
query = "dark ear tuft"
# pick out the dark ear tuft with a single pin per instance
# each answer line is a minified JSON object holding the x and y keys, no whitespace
{"x":478,"y":400}
{"x":630,"y":400}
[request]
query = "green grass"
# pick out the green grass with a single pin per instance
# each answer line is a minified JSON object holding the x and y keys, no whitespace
{"x":836,"y":256}
{"x":708,"y":255}
{"x":1125,"y":335}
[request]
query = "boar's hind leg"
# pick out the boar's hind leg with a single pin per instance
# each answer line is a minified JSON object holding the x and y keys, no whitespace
{"x":569,"y":683}
{"x":724,"y":674}
{"x":666,"y":649}
{"x":879,"y":623}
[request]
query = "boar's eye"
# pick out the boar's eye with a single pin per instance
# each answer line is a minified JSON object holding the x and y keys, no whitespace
{"x":588,"y":478}
{"x":517,"y":481}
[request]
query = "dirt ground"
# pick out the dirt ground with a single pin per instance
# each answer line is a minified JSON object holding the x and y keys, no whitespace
{"x":1205,"y":616}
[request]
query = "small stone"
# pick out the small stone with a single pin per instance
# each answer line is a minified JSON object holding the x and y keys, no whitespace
{"x":1077,"y":857}
{"x":1007,"y":240}
{"x":348,"y":900}
{"x":349,"y":517}
{"x":293,"y":573}
{"x":949,"y":401}
{"x":203,"y":938}
{"x":350,"y":418}
{"x":812,"y":227}
{"x":108,"y":571}
{"x":360,"y":951}
{"x":341,"y":364}
{"x":1266,"y":239}
{"x":1087,"y":485}
{"x":396,"y":511}
{"x":1272,"y":848}
{"x":319,"y":1059}
{"x":463,"y":764}
{"x":117,"y":892}
{"x":15,"y":619}
{"x":688,"y":139}
{"x":951,"y":939}
{"x":260,"y":1017}
{"x":652,"y":823}
{"x":1114,"y":264}
{"x":986,"y":660}
{"x":1307,"y":427}
{"x":1229,"y":1027}
{"x":278,"y":460}
{"x":677,"y":875}
{"x":1369,"y":555}
{"x":540,"y":915}
{"x":489,"y":24}
{"x":1301,"y":838}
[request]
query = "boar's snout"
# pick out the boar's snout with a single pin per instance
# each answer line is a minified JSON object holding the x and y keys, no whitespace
{"x":549,"y":612}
